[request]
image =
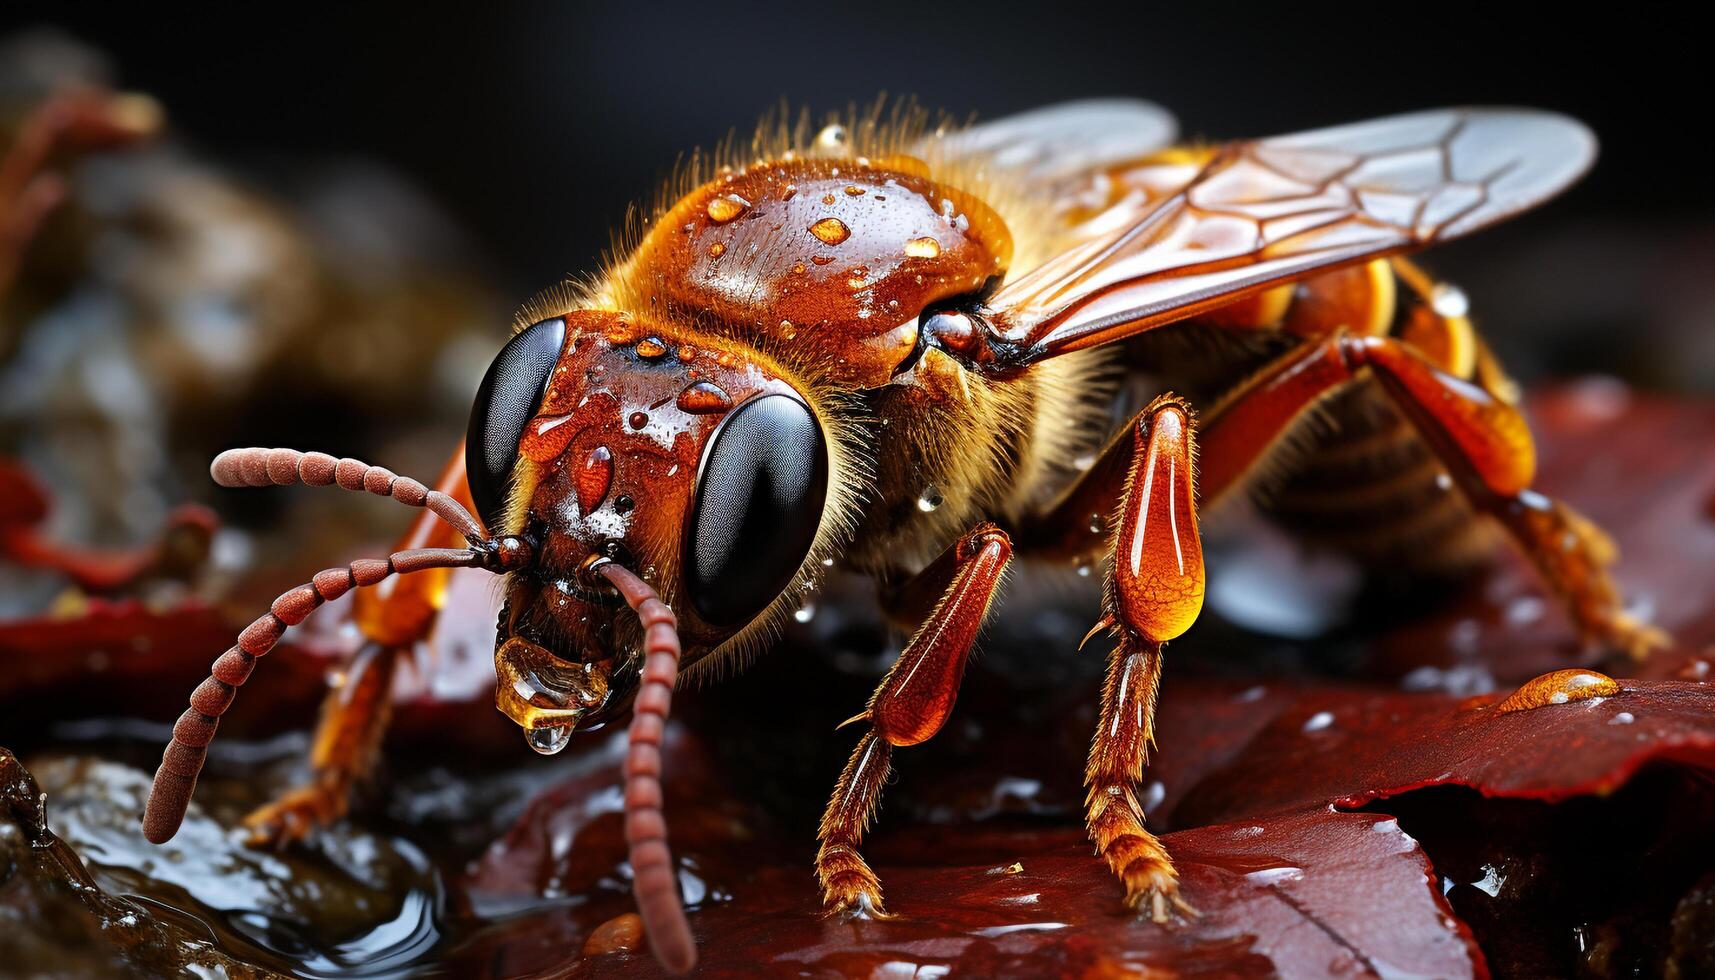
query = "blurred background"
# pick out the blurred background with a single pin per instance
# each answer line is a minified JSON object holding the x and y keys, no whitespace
{"x":532,"y":126}
{"x":324,"y":244}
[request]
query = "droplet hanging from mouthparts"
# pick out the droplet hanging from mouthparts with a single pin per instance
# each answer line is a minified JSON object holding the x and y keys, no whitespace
{"x":547,"y":741}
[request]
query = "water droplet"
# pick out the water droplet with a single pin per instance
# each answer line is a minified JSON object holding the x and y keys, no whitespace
{"x":638,"y":420}
{"x":1274,"y":876}
{"x":1524,"y":610}
{"x":725,"y":208}
{"x":822,"y":259}
{"x":1465,"y":636}
{"x":1443,"y":482}
{"x":592,"y":481}
{"x":923,"y":248}
{"x":1491,"y":882}
{"x":852,"y":190}
{"x":805,"y":613}
{"x":1560,"y":687}
{"x":787,"y":330}
{"x":546,"y":437}
{"x":623,"y":504}
{"x":717,"y":250}
{"x":1449,"y":300}
{"x":929,"y":499}
{"x":1623,"y":718}
{"x":789,"y":193}
{"x":704,"y":398}
{"x":831,"y":230}
{"x":1082,"y":567}
{"x":651,"y":349}
{"x":832,"y":137}
{"x":1097,"y":525}
{"x":547,"y":741}
{"x":827,"y":563}
{"x":687,"y":354}
{"x":1153,"y":795}
{"x":1319,"y":721}
{"x":1466,"y":680}
{"x":620,"y":933}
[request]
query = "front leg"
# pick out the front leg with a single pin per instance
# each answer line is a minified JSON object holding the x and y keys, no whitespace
{"x":1154,"y":593}
{"x":909,"y":707}
{"x":347,"y":744}
{"x":393,"y":617}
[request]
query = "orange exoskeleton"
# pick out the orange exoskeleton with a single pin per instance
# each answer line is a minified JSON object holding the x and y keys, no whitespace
{"x":886,"y":346}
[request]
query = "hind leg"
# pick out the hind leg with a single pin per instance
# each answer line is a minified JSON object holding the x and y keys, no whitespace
{"x":1479,"y":437}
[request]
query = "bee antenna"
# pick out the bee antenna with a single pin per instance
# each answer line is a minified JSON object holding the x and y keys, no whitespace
{"x":653,"y":880}
{"x":284,"y":467}
{"x":175,"y":780}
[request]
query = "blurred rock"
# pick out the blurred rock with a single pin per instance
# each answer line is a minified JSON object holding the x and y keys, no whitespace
{"x":56,"y":920}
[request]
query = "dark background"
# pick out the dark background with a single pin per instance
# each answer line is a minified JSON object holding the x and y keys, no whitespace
{"x":534,"y":125}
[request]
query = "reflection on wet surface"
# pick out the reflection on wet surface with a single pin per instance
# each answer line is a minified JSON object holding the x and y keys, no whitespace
{"x":470,"y":856}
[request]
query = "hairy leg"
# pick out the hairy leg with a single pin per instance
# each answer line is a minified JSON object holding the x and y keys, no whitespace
{"x":1154,"y":592}
{"x":1479,"y":437}
{"x":909,"y":707}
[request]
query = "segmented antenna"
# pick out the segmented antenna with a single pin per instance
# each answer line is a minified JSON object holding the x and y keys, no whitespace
{"x":284,"y":467}
{"x":183,"y":760}
{"x":654,"y":883}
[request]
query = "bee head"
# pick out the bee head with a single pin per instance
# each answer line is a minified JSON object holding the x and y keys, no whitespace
{"x":600,"y":438}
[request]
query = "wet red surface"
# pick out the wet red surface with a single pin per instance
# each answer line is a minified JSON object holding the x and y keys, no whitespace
{"x":1287,"y":881}
{"x":1363,"y":804}
{"x":1349,"y":893}
{"x":1389,"y":744}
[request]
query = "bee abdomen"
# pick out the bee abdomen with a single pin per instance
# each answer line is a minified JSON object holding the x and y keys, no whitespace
{"x":1377,"y":492}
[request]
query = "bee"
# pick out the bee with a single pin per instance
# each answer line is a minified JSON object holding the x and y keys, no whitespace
{"x":894,"y":346}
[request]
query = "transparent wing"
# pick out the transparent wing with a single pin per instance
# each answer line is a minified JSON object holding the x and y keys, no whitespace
{"x":1068,"y":141}
{"x":1268,"y":211}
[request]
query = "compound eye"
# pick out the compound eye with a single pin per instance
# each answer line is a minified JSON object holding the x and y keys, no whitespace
{"x":758,"y":506}
{"x":510,"y":394}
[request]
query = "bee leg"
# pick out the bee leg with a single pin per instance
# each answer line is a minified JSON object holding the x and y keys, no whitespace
{"x":393,"y":618}
{"x":909,"y":707}
{"x":1478,"y":435}
{"x":347,"y":742}
{"x":1487,"y":449}
{"x":1154,"y":593}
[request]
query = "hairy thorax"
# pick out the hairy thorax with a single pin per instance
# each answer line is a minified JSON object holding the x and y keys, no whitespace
{"x":825,"y":265}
